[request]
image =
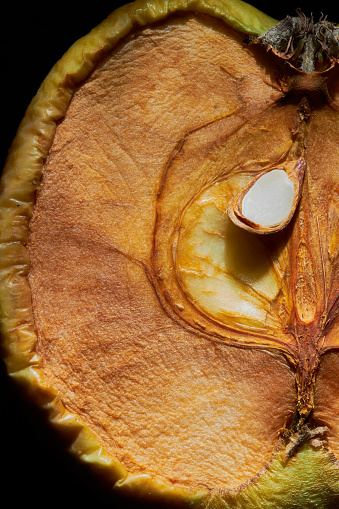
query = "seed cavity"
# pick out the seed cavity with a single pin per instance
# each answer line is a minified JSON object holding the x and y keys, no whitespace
{"x":225,"y":272}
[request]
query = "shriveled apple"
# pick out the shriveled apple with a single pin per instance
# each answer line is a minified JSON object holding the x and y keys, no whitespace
{"x":169,"y":239}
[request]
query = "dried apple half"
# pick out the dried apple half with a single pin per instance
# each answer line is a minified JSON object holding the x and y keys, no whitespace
{"x":170,"y":254}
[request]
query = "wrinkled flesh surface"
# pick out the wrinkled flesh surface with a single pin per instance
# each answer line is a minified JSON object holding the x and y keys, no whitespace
{"x":269,"y":201}
{"x":163,"y":399}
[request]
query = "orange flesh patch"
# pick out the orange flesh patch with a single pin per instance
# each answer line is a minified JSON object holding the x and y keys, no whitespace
{"x":162,"y":399}
{"x":326,"y":399}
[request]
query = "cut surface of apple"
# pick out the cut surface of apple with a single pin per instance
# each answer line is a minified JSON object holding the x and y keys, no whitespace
{"x":189,"y":359}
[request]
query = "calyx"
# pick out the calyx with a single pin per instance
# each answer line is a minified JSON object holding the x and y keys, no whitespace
{"x":307,"y":46}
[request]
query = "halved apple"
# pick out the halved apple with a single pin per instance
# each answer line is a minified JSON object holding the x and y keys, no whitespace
{"x":190,"y":361}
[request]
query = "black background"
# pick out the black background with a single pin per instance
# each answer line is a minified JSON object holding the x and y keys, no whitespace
{"x":32,"y":39}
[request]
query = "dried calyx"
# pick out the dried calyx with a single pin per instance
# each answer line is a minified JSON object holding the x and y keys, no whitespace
{"x":267,"y":204}
{"x":307,"y":46}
